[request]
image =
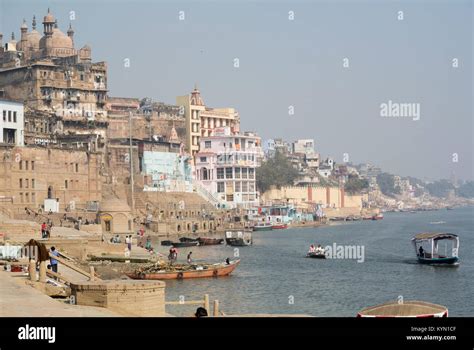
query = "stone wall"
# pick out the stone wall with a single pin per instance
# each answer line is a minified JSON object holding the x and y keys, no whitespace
{"x":127,"y":297}
{"x":27,"y":174}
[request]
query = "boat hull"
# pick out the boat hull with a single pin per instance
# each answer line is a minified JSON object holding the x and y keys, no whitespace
{"x":439,"y":261}
{"x":238,"y":242}
{"x":262,"y":228}
{"x":210,"y":241}
{"x":185,"y":244}
{"x":279,"y":227}
{"x":217,"y":271}
{"x":316,"y":256}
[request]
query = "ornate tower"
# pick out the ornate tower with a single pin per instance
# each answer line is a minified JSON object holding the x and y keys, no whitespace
{"x":70,"y":33}
{"x":48,"y":24}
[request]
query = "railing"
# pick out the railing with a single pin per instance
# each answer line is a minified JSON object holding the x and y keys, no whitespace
{"x":206,"y":194}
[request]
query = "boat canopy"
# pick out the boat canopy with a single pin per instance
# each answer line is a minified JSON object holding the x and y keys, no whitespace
{"x":427,"y":236}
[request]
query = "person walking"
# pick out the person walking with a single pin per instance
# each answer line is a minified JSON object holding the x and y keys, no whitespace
{"x":53,"y":262}
{"x":190,"y":260}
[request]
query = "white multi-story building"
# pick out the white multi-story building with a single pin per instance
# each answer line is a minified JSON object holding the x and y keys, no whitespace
{"x":226,"y":166}
{"x":11,"y":123}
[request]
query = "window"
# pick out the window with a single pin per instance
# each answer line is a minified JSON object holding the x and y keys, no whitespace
{"x":32,"y":183}
{"x":237,"y":173}
{"x":251,"y":186}
{"x":230,"y":198}
{"x":204,"y":174}
{"x":9,"y":116}
{"x":237,"y":186}
{"x":33,"y":197}
{"x":26,"y":165}
{"x":65,"y":183}
{"x":21,"y":183}
{"x":220,"y":173}
{"x":207,"y":144}
{"x":4,"y":116}
{"x":77,"y":167}
{"x":20,"y":164}
{"x":32,"y":165}
{"x":244,"y":173}
{"x":21,"y":197}
{"x":245,"y":187}
{"x":27,"y":183}
{"x":251,"y":173}
{"x":14,"y":117}
{"x":220,"y":187}
{"x":228,"y":173}
{"x":202,"y":159}
{"x":27,"y":198}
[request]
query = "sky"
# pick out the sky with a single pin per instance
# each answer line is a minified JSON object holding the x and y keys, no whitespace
{"x":334,"y":63}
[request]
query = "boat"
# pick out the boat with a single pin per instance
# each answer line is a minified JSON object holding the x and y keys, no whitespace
{"x":185,"y":244}
{"x":263,"y":227}
{"x":167,"y":243}
{"x":187,"y":239}
{"x":431,"y":254}
{"x":279,"y":226}
{"x":197,"y":271}
{"x":315,"y":255}
{"x":238,"y":238}
{"x":449,"y":208}
{"x":210,"y":241}
{"x":412,"y":308}
{"x":377,"y":217}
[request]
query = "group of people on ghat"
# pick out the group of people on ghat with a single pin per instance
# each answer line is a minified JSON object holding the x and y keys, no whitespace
{"x":316,"y":250}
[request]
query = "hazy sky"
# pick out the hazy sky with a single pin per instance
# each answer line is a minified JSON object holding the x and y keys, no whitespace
{"x":296,"y":63}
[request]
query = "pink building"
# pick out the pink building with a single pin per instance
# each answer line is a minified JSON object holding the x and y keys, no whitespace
{"x":226,"y":166}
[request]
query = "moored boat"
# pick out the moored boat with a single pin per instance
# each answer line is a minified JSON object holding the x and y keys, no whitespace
{"x":187,"y":239}
{"x":238,"y":238}
{"x":198,"y":271}
{"x":316,"y":255}
{"x":166,"y":243}
{"x":210,"y":241}
{"x":279,"y":226}
{"x":377,"y":217}
{"x":405,"y":309}
{"x":263,"y":227}
{"x":185,"y":244}
{"x":428,"y":250}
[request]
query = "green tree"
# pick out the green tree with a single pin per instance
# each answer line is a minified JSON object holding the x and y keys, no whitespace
{"x":354,"y":184}
{"x":440,"y":188}
{"x":466,"y":190}
{"x":277,"y":171}
{"x":386,"y":183}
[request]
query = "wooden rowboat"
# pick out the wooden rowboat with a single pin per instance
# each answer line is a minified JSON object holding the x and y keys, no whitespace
{"x":210,"y":241}
{"x":215,"y":270}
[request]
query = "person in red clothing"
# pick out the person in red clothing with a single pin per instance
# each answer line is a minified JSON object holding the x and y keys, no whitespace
{"x":43,"y":230}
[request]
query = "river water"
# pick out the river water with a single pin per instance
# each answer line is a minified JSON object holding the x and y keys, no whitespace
{"x":275,"y":277}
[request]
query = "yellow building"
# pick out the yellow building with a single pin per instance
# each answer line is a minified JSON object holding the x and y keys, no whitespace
{"x":304,"y":196}
{"x":201,"y":120}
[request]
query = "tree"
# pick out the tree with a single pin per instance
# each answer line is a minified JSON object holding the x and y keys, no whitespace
{"x":277,"y":171}
{"x":466,"y":190}
{"x":355,"y":184}
{"x":440,"y":188}
{"x":386,"y":183}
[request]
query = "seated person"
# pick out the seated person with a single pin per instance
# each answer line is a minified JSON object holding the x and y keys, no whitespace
{"x":319,"y":249}
{"x":312,"y":249}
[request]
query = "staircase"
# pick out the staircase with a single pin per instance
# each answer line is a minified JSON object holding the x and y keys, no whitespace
{"x":207,"y":195}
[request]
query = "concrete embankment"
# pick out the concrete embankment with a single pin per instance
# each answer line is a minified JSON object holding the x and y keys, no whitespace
{"x":21,"y":300}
